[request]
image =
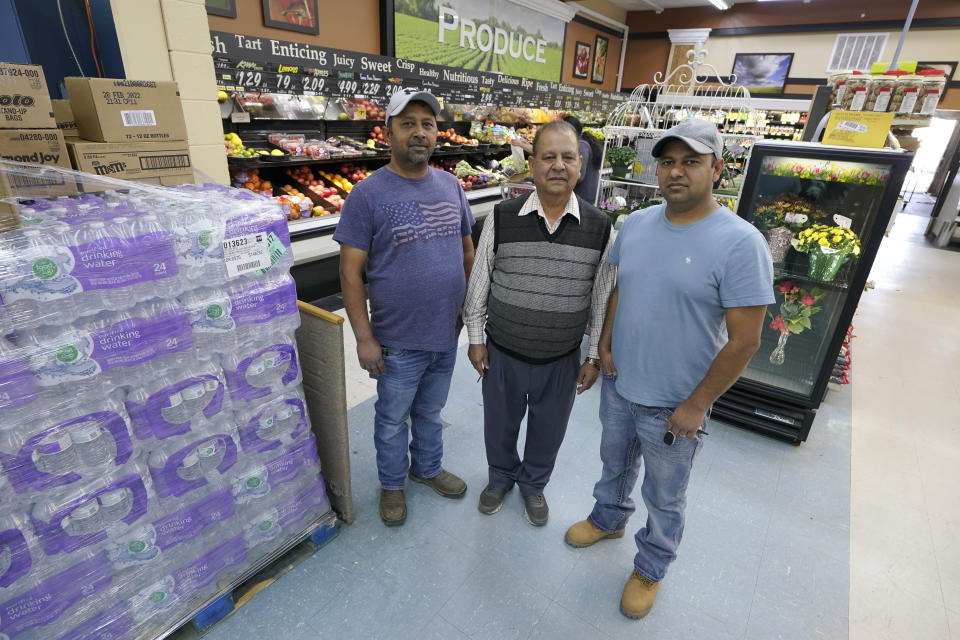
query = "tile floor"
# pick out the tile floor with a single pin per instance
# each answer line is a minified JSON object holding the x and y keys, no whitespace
{"x":852,"y":534}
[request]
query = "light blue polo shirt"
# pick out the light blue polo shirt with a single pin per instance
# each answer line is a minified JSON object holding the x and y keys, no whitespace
{"x":675,"y":281}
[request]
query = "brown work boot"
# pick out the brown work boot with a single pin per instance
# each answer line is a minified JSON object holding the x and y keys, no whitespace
{"x":444,"y":483}
{"x":393,"y":507}
{"x":638,"y":596}
{"x":584,"y":534}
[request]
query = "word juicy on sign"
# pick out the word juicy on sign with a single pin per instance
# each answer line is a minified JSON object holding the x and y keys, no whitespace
{"x":485,"y":37}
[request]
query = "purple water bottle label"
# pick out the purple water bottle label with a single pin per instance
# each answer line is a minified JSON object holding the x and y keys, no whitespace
{"x":167,"y":480}
{"x":205,"y":569}
{"x":138,"y":340}
{"x":295,"y":508}
{"x":20,"y":561}
{"x":250,"y":438}
{"x":23,"y":472}
{"x":189,"y":522}
{"x":264,"y":302}
{"x":16,"y":386}
{"x":242,"y":390}
{"x":285,"y":467}
{"x":111,"y":263}
{"x":112,"y":624}
{"x":148,"y":420}
{"x":55,"y":538}
{"x":46,"y":602}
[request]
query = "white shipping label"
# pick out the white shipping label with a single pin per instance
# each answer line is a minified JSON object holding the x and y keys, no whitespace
{"x":245,"y":254}
{"x":859,"y":99}
{"x":883,"y":100}
{"x":909,"y":101}
{"x":930,"y":103}
{"x":842,"y":221}
{"x":139,"y":118}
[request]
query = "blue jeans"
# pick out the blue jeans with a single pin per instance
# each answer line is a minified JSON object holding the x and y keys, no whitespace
{"x":631,"y":432}
{"x":415,"y":386}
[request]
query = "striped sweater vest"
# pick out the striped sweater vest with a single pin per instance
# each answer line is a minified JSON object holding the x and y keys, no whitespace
{"x":541,"y":284}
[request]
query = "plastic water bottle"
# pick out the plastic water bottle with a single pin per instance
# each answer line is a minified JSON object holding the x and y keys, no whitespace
{"x":94,"y":446}
{"x":38,"y":287}
{"x":17,"y":388}
{"x":154,"y":255}
{"x":115,"y":505}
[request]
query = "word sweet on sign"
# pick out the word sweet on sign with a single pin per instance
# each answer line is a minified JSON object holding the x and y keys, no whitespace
{"x":246,"y":63}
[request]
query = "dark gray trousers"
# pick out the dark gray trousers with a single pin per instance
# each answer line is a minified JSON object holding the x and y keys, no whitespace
{"x":545,"y":392}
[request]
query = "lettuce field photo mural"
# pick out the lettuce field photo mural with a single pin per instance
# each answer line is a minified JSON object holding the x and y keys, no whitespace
{"x":480,"y":35}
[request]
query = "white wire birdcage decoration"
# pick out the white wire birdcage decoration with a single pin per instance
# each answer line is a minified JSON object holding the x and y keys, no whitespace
{"x":691,"y":90}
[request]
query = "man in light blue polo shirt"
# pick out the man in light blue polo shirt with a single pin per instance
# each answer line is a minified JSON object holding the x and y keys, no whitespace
{"x":694,"y":282}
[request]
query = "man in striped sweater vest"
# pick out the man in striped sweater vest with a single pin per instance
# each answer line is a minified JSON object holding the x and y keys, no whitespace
{"x":540,"y":279}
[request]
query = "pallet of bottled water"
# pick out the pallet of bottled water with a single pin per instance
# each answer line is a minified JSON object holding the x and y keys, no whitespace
{"x":154,"y":439}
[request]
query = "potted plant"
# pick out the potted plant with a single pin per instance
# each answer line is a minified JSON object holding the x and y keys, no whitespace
{"x":795,"y":311}
{"x":620,"y":159}
{"x":827,"y":247}
{"x":770,"y":220}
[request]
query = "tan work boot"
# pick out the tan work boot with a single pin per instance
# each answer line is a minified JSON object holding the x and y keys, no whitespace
{"x":393,"y":507}
{"x":444,"y":483}
{"x":584,"y":534}
{"x":638,"y":596}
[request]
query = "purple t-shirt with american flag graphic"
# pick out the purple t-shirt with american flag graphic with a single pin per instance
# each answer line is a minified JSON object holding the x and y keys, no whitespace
{"x":412,"y":231}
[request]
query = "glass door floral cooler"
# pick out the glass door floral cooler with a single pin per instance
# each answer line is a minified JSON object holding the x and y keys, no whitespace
{"x":823,"y":211}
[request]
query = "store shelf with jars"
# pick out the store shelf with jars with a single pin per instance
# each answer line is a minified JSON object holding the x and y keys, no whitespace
{"x":823,"y":211}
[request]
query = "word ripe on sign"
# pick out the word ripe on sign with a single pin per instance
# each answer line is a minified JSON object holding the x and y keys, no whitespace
{"x":485,"y":37}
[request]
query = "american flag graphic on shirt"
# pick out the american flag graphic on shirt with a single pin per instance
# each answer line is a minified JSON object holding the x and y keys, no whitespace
{"x":423,"y":221}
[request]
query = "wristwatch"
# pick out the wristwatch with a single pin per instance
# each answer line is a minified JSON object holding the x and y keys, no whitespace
{"x":593,"y":361}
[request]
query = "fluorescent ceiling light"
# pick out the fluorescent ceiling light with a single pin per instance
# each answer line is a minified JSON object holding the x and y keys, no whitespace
{"x":720,"y":4}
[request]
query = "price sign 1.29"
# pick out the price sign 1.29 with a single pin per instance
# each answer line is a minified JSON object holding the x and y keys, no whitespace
{"x":249,"y":79}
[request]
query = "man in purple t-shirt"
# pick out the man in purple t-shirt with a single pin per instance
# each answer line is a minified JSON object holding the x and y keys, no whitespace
{"x":407,"y":226}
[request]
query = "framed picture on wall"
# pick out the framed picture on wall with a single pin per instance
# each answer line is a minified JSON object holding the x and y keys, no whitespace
{"x":581,"y":60}
{"x":292,"y":15}
{"x":225,"y":8}
{"x":762,"y":72}
{"x":599,"y":67}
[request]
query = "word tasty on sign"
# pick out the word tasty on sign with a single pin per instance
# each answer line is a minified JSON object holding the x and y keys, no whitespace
{"x":486,"y":37}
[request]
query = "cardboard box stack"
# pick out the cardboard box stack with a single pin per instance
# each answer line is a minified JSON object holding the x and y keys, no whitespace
{"x":129,"y":129}
{"x":28,"y":133}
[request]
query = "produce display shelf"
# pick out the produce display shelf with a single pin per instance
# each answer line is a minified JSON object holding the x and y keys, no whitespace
{"x":319,"y":532}
{"x":911,"y":122}
{"x":480,"y":194}
{"x":291,"y":161}
{"x":310,"y":225}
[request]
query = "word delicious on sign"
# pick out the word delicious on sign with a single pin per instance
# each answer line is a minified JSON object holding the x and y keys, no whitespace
{"x":486,"y":37}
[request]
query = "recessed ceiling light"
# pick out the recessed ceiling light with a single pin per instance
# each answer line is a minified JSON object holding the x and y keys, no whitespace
{"x":720,"y":4}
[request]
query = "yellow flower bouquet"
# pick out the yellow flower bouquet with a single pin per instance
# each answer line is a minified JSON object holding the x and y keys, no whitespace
{"x":827,"y":247}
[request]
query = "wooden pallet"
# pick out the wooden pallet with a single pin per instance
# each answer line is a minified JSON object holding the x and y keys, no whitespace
{"x":317,"y":535}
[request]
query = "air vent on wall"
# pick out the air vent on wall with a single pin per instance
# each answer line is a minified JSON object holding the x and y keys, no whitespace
{"x":856,"y":51}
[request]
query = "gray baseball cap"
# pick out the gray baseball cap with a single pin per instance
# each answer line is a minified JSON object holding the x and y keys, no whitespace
{"x":400,"y":100}
{"x":698,"y":134}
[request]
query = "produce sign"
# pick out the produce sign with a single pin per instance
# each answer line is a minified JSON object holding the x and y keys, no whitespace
{"x":245,"y":63}
{"x":497,"y":35}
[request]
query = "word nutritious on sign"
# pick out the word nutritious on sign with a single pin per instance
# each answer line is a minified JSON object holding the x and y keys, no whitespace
{"x":486,"y":37}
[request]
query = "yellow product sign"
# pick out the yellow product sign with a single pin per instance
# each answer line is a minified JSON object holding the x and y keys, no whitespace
{"x":866,"y":129}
